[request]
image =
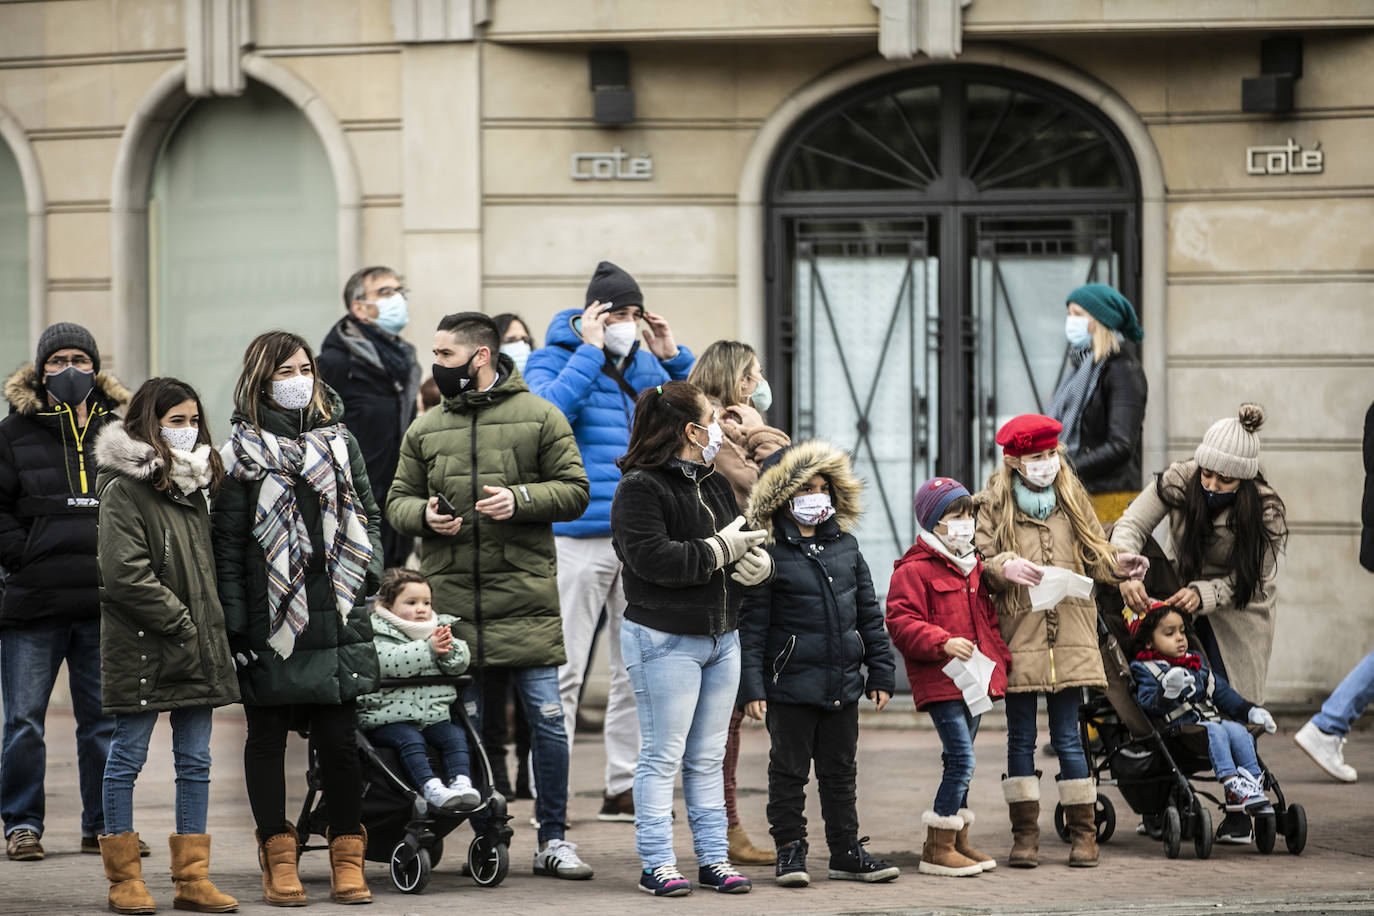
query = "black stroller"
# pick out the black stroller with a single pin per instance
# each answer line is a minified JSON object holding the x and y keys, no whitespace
{"x":403,"y":829}
{"x":1151,"y":764}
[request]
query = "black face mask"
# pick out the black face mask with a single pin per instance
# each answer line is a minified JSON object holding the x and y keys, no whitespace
{"x":1218,"y":501}
{"x":452,"y":380}
{"x":71,"y":385}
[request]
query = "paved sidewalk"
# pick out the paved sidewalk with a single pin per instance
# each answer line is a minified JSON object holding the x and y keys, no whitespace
{"x":898,"y":772}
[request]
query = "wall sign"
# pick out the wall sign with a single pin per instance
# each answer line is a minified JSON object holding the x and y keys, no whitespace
{"x":1289,"y":159}
{"x":616,"y":165}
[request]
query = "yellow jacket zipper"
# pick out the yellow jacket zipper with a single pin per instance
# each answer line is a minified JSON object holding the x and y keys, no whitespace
{"x":80,"y":436}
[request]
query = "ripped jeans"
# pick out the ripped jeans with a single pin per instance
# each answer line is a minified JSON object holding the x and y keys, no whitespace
{"x":537,"y":689}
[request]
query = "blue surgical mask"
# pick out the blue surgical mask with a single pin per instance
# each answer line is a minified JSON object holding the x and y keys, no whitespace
{"x":519,"y":352}
{"x":1077,"y":332}
{"x":762,"y":396}
{"x":392,"y":314}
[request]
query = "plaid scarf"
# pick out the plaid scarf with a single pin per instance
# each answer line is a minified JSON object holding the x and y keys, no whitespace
{"x":319,"y":459}
{"x":1072,"y":396}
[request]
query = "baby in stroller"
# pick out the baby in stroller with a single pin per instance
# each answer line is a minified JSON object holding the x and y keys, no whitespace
{"x":413,"y":641}
{"x":1178,"y":686}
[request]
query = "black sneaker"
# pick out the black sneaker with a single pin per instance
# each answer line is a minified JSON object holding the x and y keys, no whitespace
{"x":855,"y":864}
{"x":723,"y":877}
{"x":791,"y":870}
{"x":1235,"y":830}
{"x":618,"y":807}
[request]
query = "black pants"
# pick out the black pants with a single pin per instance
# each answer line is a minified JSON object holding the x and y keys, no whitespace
{"x":799,"y":735}
{"x":331,"y":741}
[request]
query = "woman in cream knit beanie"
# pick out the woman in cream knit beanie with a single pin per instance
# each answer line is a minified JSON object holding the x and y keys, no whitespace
{"x":1231,"y":446}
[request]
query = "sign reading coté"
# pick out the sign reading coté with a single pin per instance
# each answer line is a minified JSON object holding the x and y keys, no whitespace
{"x":1289,"y":159}
{"x":617,"y":165}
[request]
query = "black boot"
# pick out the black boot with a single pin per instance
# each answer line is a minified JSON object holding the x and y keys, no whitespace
{"x":853,"y":863}
{"x":791,"y":871}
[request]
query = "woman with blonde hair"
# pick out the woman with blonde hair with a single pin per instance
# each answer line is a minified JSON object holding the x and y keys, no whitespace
{"x":729,"y":374}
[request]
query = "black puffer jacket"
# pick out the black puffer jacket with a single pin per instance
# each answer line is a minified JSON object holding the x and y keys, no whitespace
{"x":1108,"y":458}
{"x":805,"y":635}
{"x":48,"y":502}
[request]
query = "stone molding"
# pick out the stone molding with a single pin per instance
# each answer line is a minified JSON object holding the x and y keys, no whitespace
{"x":423,"y":21}
{"x":217,"y":31}
{"x":930,"y":27}
{"x":35,"y":206}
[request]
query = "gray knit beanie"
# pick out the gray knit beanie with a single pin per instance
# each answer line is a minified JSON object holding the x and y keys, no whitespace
{"x":61,"y":336}
{"x":1231,"y":446}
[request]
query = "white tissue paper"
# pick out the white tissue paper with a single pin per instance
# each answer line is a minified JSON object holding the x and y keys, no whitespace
{"x":972,"y":677}
{"x":1057,"y":585}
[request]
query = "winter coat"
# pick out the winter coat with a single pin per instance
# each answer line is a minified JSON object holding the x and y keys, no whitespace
{"x":500,"y":575}
{"x":659,"y":519}
{"x":1367,"y":508}
{"x":805,"y":634}
{"x":1245,"y":636}
{"x":1208,"y":699}
{"x":575,"y":377}
{"x":745,"y":446}
{"x":929,"y":602}
{"x":1054,"y":649}
{"x":400,"y":656}
{"x":162,"y":638}
{"x":380,"y":406}
{"x":48,"y":502}
{"x":1108,"y":456}
{"x":333,"y":660}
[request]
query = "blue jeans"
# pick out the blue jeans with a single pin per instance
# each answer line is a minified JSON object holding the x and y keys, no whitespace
{"x":537,"y":689}
{"x":1229,"y":746}
{"x":957,"y":728}
{"x":190,"y":755}
{"x":413,"y":745}
{"x":1021,"y":733}
{"x":685,"y":689}
{"x":29,"y":660}
{"x":1349,"y":700}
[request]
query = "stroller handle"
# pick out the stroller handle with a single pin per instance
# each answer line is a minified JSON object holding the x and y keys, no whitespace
{"x":428,"y":680}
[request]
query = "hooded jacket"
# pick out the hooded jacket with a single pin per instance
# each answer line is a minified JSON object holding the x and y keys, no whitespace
{"x":48,"y":501}
{"x":500,"y":577}
{"x":574,"y":377}
{"x":162,"y":638}
{"x":805,"y":634}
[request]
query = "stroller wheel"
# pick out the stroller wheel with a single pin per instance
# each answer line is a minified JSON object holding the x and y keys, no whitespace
{"x":488,"y":860}
{"x":1104,"y":815}
{"x":1173,"y":832}
{"x":1266,"y":832}
{"x":409,"y":868}
{"x":1060,"y":827}
{"x":1295,"y":829}
{"x":1202,"y":830}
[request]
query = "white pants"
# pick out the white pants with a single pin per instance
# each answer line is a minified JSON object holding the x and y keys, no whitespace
{"x":588,"y":578}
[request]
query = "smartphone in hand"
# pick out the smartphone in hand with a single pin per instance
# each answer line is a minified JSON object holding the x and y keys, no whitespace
{"x":445,"y":506}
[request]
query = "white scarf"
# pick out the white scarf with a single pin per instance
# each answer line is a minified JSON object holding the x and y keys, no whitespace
{"x":417,"y":630}
{"x":964,"y":563}
{"x":190,"y":470}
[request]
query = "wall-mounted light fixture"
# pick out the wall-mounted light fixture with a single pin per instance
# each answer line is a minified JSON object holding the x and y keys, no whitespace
{"x":1280,"y":67}
{"x":613,"y":101}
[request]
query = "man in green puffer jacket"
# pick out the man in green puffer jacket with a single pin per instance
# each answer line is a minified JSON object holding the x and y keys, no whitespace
{"x":507,"y":464}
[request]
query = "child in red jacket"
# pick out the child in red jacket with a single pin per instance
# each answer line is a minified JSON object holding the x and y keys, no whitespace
{"x":939,"y":609}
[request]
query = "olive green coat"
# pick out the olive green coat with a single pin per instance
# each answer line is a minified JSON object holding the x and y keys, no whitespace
{"x":500,"y":577}
{"x":162,"y":639}
{"x":333,"y":660}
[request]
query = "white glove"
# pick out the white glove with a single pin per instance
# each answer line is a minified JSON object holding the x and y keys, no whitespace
{"x":1132,"y":565}
{"x":754,"y":567}
{"x":732,"y":542}
{"x":1177,"y":681}
{"x":1260,"y":716}
{"x":1020,"y":571}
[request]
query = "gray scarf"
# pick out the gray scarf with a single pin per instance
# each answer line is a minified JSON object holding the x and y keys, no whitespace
{"x":1072,"y":395}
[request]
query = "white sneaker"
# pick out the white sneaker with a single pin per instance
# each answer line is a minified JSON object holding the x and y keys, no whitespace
{"x":1325,"y":751}
{"x":559,"y":859}
{"x":440,"y":795}
{"x":468,"y":797}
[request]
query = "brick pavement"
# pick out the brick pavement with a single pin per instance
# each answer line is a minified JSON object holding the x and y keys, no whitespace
{"x":898,"y":772}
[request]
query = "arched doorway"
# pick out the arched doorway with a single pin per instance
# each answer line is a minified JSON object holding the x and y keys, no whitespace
{"x":14,"y":264}
{"x":923,"y":230}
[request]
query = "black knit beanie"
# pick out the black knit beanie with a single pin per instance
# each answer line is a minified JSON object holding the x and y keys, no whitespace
{"x":612,"y":286}
{"x":62,"y":336}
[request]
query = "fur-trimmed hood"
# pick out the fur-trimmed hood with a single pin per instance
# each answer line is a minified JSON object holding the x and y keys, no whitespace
{"x":120,"y":453}
{"x":23,"y":390}
{"x":787,"y":470}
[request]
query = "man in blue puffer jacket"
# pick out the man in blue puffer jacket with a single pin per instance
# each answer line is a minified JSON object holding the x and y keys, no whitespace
{"x":593,"y":369}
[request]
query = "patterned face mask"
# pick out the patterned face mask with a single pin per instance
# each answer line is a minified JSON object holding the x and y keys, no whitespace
{"x":811,"y":509}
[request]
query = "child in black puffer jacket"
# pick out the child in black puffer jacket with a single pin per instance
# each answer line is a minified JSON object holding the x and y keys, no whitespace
{"x":804,"y":637}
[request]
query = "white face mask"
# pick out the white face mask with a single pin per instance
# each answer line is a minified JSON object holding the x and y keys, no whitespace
{"x":519,"y":352}
{"x":392,"y":314}
{"x":620,"y":337}
{"x":810,"y":509}
{"x":714,"y":437}
{"x":958,"y":536}
{"x":181,"y":438}
{"x":293,"y":393}
{"x":1041,"y":473}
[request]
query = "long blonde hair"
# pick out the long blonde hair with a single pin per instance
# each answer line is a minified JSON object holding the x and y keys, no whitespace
{"x":1095,"y":552}
{"x":1105,"y":341}
{"x":721,"y":369}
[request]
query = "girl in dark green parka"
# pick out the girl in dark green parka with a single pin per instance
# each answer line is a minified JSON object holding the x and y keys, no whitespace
{"x":162,"y":640}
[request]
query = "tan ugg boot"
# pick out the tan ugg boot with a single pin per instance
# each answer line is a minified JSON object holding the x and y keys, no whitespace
{"x":1079,"y":798}
{"x":743,"y":852}
{"x":277,"y":855}
{"x":961,"y":845}
{"x":1023,"y":802}
{"x":128,"y":893}
{"x":346,"y":881}
{"x":191,"y":875}
{"x":938,"y":855}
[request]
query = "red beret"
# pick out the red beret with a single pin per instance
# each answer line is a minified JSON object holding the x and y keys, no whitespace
{"x":1028,"y":434}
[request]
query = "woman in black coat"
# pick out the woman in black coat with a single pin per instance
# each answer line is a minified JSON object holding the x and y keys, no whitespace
{"x":1101,"y":398}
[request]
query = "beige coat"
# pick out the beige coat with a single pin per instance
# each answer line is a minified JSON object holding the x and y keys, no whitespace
{"x":1245,"y":635}
{"x":1050,"y":650}
{"x":746,"y":444}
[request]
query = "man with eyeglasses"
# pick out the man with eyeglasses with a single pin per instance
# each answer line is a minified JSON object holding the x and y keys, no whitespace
{"x":50,"y":610}
{"x":375,"y":373}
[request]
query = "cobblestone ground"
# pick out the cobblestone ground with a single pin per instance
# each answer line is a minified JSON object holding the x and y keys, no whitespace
{"x":898,"y":770}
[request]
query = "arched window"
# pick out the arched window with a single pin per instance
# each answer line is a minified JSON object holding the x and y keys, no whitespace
{"x":14,"y":266}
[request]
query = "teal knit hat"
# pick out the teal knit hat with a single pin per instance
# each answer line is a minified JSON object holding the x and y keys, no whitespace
{"x":1110,"y":308}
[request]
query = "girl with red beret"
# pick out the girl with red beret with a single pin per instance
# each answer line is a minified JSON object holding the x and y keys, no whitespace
{"x":1034,"y":513}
